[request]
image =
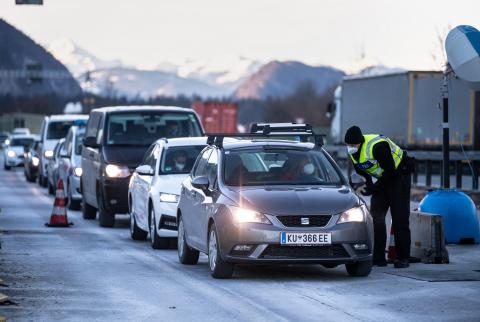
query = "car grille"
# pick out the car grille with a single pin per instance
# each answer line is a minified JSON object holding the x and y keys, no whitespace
{"x":313,"y":221}
{"x":299,"y":252}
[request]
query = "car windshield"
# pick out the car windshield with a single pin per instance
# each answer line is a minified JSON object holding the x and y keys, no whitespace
{"x":279,"y":167}
{"x":146,"y":127}
{"x":58,"y":130}
{"x":79,"y":142}
{"x":25,"y":142}
{"x":178,"y":160}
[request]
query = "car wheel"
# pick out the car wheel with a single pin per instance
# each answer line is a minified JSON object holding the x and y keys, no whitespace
{"x":72,"y":204}
{"x":31,"y":178}
{"x":156,"y":241}
{"x":51,"y":189}
{"x":218,"y":267}
{"x":42,"y":181}
{"x":136,"y":232}
{"x":6,"y":167}
{"x":88,"y":212}
{"x":105,"y":217}
{"x":359,"y":269}
{"x":186,"y":255}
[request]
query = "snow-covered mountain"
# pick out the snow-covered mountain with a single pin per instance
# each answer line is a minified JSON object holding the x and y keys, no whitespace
{"x":131,"y":82}
{"x":208,"y":78}
{"x":279,"y":79}
{"x":77,"y":59}
{"x":226,"y":73}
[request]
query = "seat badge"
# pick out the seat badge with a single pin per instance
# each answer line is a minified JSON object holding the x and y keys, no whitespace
{"x":305,"y":221}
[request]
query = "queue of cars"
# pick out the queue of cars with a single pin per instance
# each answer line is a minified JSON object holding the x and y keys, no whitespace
{"x":272,"y":196}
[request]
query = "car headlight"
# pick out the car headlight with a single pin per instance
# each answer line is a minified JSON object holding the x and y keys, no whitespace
{"x":242,"y":215}
{"x":78,"y":172}
{"x":48,"y":154}
{"x":11,"y":154}
{"x":35,"y":161}
{"x":117,"y":171}
{"x":168,"y":197}
{"x":7,"y":142}
{"x":356,"y":214}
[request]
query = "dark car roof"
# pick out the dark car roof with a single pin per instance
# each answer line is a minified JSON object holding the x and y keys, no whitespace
{"x":142,"y":108}
{"x":233,"y":143}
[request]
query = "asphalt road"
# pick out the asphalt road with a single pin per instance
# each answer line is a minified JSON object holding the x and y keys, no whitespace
{"x":88,"y":273}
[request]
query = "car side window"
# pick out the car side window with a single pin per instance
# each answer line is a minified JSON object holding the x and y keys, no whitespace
{"x":68,"y":144}
{"x":211,"y":169}
{"x":92,"y":125}
{"x":200,"y":167}
{"x":149,"y":158}
{"x":42,"y":130}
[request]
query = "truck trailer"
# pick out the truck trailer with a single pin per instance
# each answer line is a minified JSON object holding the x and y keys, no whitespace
{"x":406,"y":106}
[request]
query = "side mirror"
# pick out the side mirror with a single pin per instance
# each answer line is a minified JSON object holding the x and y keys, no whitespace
{"x":91,"y":142}
{"x":200,"y":183}
{"x":145,"y":170}
{"x":356,"y":181}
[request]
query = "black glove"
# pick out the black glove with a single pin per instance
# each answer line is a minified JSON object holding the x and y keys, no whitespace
{"x":367,"y":190}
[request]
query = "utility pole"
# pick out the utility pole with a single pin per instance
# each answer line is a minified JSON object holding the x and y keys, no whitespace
{"x":446,"y":131}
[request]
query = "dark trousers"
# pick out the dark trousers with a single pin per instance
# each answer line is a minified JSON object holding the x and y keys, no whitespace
{"x":396,"y":196}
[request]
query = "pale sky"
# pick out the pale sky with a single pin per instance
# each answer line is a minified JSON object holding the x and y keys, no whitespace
{"x":400,"y":33}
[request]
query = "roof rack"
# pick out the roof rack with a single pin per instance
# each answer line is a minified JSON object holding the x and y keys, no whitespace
{"x":268,"y":130}
{"x":288,"y":128}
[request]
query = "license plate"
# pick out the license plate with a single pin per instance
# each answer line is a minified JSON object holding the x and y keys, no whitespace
{"x":305,"y":238}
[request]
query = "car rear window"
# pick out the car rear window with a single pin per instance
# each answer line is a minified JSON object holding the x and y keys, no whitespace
{"x":58,"y":130}
{"x":178,"y":160}
{"x":25,"y":142}
{"x":279,"y":167}
{"x":146,"y":127}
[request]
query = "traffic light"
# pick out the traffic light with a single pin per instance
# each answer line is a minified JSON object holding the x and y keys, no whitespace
{"x":37,"y":2}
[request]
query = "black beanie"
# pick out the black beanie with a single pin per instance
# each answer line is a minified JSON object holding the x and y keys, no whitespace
{"x":354,"y":136}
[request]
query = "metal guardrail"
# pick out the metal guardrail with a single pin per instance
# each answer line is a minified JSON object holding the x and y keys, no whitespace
{"x":465,"y":166}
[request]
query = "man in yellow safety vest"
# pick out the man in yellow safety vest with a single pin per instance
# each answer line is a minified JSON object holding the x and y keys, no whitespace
{"x":376,"y":156}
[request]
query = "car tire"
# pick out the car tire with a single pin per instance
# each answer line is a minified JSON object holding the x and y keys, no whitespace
{"x":88,"y":212}
{"x":156,"y":241}
{"x":136,"y":232}
{"x":105,"y":218}
{"x":72,"y":204}
{"x":30,"y":178}
{"x":359,"y":269}
{"x":51,"y":189}
{"x":6,"y":167}
{"x":186,"y":255}
{"x":42,"y":181}
{"x":218,"y":267}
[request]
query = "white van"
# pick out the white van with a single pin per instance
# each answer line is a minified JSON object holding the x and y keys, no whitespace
{"x":54,"y":128}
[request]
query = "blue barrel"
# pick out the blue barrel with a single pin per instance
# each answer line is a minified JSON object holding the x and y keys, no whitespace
{"x":459,"y":215}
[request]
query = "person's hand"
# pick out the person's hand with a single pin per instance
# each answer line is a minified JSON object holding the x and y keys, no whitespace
{"x":366,"y":191}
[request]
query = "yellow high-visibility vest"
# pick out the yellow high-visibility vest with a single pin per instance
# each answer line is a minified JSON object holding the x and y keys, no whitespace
{"x":368,"y":163}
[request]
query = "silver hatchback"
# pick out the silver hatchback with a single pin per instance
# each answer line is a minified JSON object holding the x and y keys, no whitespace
{"x":265,"y":200}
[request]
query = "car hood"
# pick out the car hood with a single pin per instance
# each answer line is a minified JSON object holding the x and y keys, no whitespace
{"x":171,"y":183}
{"x":131,"y":156}
{"x":17,"y":149}
{"x":49,"y":144}
{"x":294,"y":200}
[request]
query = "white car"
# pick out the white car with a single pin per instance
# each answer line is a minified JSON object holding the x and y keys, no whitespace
{"x":155,"y":186}
{"x":70,"y":166}
{"x":54,"y":128}
{"x":21,"y":131}
{"x":15,"y":148}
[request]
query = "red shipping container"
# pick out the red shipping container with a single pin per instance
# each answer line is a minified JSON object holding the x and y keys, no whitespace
{"x":217,"y":117}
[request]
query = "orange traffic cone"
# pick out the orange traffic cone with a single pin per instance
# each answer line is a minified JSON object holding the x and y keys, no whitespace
{"x":392,"y":253}
{"x":59,"y":212}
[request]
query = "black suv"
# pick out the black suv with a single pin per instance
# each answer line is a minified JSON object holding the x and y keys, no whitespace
{"x":115,"y":141}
